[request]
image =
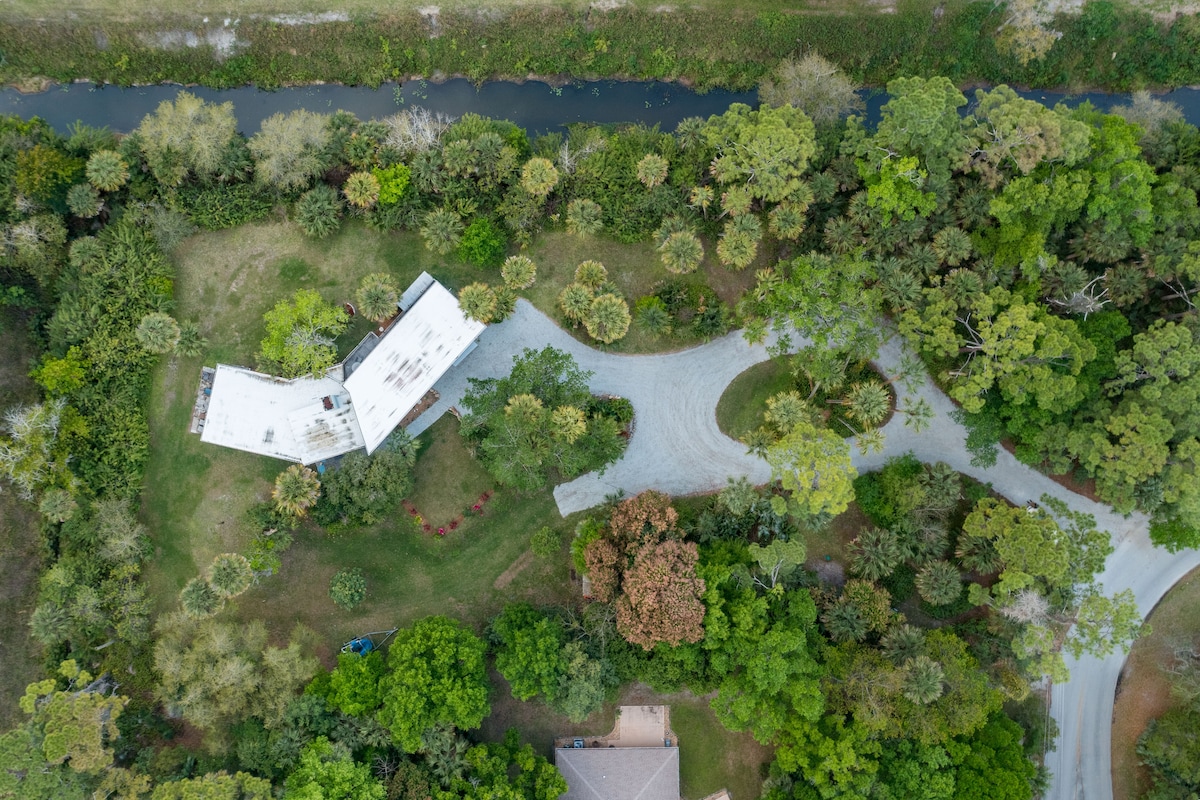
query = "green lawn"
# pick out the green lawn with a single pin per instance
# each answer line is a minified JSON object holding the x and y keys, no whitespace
{"x":741,"y":407}
{"x":196,"y":501}
{"x":20,"y":656}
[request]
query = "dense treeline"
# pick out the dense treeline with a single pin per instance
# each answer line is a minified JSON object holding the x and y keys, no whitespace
{"x":1041,"y":261}
{"x":1105,"y":45}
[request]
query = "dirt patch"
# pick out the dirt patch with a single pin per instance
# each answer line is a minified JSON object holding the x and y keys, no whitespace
{"x":1144,"y":693}
{"x":514,"y":569}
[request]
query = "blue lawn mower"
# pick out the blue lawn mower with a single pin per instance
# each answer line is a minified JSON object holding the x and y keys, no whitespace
{"x":364,"y":644}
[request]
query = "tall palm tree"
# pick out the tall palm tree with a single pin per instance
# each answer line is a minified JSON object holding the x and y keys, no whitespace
{"x":868,"y":402}
{"x":296,"y":490}
{"x":158,"y":332}
{"x":519,"y":272}
{"x":923,"y":680}
{"x":377,"y":297}
{"x":682,"y":252}
{"x":591,"y":274}
{"x":230,"y":574}
{"x":845,"y":622}
{"x":652,"y":170}
{"x":608,"y":319}
{"x":875,"y":554}
{"x":107,"y":171}
{"x":787,"y":220}
{"x":478,"y":302}
{"x":584,"y":217}
{"x":441,"y":229}
{"x":57,"y":505}
{"x":939,"y":583}
{"x":539,"y":176}
{"x":361,"y":190}
{"x":84,"y":200}
{"x":575,"y":301}
{"x":198,"y":599}
{"x":319,"y":211}
{"x":736,"y":250}
{"x":978,"y":554}
{"x":953,"y":246}
{"x":903,"y":642}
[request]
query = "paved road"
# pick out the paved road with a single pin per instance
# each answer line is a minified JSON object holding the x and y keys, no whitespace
{"x":677,"y":448}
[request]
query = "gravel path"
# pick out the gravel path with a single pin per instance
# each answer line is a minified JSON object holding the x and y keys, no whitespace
{"x":677,"y":448}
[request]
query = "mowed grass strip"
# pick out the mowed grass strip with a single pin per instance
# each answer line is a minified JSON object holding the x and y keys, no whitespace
{"x":1144,"y":693}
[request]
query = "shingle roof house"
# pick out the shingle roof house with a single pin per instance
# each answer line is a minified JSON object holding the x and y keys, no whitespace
{"x":619,"y":773}
{"x":639,"y":760}
{"x":359,"y":402}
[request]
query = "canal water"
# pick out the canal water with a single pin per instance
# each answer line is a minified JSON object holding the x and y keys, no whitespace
{"x":536,"y":106}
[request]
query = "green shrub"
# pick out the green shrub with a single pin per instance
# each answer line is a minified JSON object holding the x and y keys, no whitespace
{"x":348,"y":588}
{"x":483,"y":244}
{"x":950,"y":610}
{"x":546,"y":542}
{"x":588,"y":531}
{"x":224,"y":206}
{"x":901,"y":584}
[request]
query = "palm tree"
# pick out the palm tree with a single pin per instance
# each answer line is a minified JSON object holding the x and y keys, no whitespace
{"x":701,"y":198}
{"x":459,"y":158}
{"x":83,"y":200}
{"x":58,"y":505}
{"x":921,"y":260}
{"x":736,"y":201}
{"x":652,"y":170}
{"x":875,"y":554}
{"x":681,"y":252}
{"x":445,"y":753}
{"x":952,"y":245}
{"x":50,"y":624}
{"x":377,"y":297}
{"x":478,"y":302}
{"x":361,"y":190}
{"x":526,"y":407}
{"x":591,"y":274}
{"x":158,"y":332}
{"x":786,"y":220}
{"x":978,"y":554}
{"x":922,"y":682}
{"x":868,"y":402}
{"x":736,"y":250}
{"x":107,"y":171}
{"x":441,"y":229}
{"x":939,"y":583}
{"x":785,"y":410}
{"x":652,"y":315}
{"x":903,"y":642}
{"x":519,"y":272}
{"x":319,"y":211}
{"x":191,"y":343}
{"x":575,"y":301}
{"x":917,"y":414}
{"x":844,"y":622}
{"x":230,"y":574}
{"x":841,"y":235}
{"x":962,"y":286}
{"x":539,"y":176}
{"x":608,"y":319}
{"x":584,"y":217}
{"x":296,"y":490}
{"x":568,"y":423}
{"x":199,"y":600}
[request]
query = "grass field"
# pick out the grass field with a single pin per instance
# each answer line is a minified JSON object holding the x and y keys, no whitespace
{"x":20,"y":657}
{"x":1144,"y":693}
{"x":741,"y":407}
{"x":195,"y":504}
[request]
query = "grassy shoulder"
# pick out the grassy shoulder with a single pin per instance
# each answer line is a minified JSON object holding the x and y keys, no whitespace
{"x":20,"y":656}
{"x":716,"y":43}
{"x":1144,"y":693}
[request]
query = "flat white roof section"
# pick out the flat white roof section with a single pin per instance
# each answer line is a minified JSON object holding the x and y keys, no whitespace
{"x":281,"y":418}
{"x":412,"y":356}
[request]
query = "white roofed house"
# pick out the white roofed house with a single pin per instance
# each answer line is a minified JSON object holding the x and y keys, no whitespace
{"x":358,"y":403}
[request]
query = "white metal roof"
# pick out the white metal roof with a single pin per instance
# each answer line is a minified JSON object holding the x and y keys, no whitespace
{"x":280,"y":418}
{"x":416,"y":351}
{"x":619,"y":773}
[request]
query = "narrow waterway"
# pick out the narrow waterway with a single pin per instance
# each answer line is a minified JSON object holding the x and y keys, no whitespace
{"x":534,"y":105}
